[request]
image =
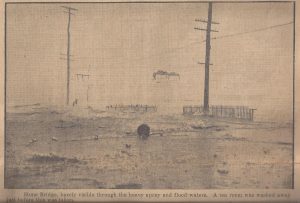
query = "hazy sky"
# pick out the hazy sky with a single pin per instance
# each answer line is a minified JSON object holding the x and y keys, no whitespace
{"x":121,"y":45}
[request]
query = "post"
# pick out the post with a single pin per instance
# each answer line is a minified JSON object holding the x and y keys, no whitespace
{"x":207,"y":63}
{"x":68,"y":57}
{"x":207,"y":58}
{"x":69,"y":12}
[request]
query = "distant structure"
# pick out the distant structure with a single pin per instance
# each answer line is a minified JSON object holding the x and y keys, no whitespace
{"x":132,"y":108}
{"x":81,"y":90}
{"x":165,"y":74}
{"x":234,"y":112}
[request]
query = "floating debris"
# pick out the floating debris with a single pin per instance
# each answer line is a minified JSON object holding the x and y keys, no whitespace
{"x":54,"y":139}
{"x":46,"y":158}
{"x":32,"y":141}
{"x":129,"y":186}
{"x":125,"y":152}
{"x":143,"y":131}
{"x":198,"y":125}
{"x":223,"y":172}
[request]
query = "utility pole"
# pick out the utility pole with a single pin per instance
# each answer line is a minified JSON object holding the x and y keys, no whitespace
{"x":69,"y":12}
{"x":207,"y":57}
{"x":208,"y":30}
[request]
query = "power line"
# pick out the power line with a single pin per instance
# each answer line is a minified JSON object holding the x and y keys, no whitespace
{"x":252,"y":31}
{"x":160,"y":54}
{"x":230,"y":35}
{"x":213,"y":38}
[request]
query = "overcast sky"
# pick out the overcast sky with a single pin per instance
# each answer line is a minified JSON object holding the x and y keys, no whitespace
{"x":121,"y":45}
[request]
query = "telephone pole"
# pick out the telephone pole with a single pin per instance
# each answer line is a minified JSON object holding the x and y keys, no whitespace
{"x":208,"y":30}
{"x":69,"y":12}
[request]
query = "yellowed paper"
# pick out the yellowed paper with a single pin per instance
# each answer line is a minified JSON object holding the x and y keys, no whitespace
{"x":149,"y":101}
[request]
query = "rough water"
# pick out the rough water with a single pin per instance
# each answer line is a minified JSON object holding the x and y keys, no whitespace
{"x":52,"y":148}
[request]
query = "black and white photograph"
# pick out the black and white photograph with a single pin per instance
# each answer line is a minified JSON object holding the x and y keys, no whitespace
{"x":149,"y":95}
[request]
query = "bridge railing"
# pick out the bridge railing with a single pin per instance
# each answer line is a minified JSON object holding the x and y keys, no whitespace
{"x":237,"y":112}
{"x":132,"y":108}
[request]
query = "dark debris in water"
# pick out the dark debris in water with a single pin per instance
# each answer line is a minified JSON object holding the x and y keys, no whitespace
{"x":93,"y":182}
{"x":143,"y":131}
{"x":223,"y":172}
{"x":39,"y":158}
{"x":129,"y":186}
{"x":67,"y":124}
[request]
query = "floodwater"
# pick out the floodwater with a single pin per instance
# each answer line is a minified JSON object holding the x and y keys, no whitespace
{"x":51,"y":149}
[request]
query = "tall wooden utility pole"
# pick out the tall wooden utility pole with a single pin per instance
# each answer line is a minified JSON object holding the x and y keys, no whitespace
{"x":69,"y":9}
{"x":207,"y":55}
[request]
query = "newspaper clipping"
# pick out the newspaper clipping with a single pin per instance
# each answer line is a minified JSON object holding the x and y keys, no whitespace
{"x":149,"y":101}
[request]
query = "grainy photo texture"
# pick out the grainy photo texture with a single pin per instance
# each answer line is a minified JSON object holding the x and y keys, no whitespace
{"x":161,"y":95}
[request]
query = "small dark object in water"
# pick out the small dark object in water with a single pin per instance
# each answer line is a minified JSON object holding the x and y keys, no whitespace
{"x":129,"y":186}
{"x":143,"y":131}
{"x":223,"y":172}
